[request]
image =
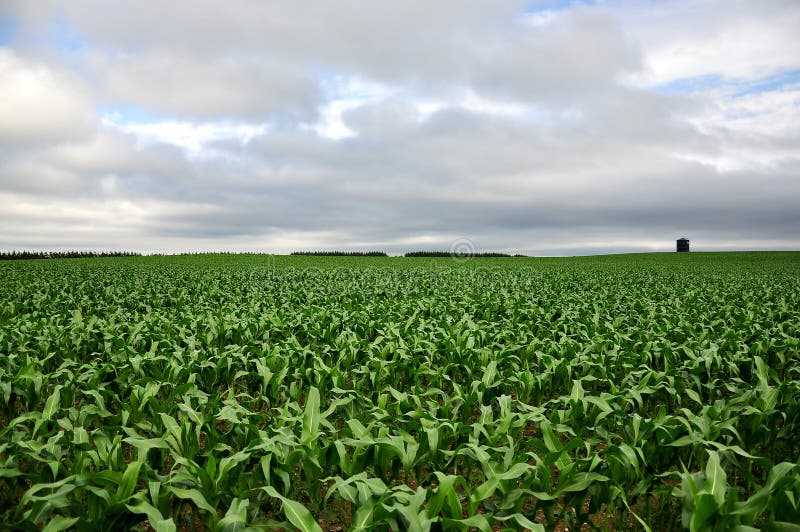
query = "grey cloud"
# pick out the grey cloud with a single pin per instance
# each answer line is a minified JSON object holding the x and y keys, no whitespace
{"x":91,"y":167}
{"x":578,"y":55}
{"x":505,"y":182}
{"x":212,"y":87}
{"x":590,"y":164}
{"x":194,"y":58}
{"x":398,"y":186}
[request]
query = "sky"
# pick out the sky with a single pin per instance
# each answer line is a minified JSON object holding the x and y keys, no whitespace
{"x":550,"y":127}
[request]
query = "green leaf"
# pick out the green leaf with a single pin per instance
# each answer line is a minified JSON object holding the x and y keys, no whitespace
{"x":128,"y":483}
{"x":228,"y":463}
{"x":445,"y":497}
{"x":59,"y":523}
{"x":645,"y":526}
{"x":144,"y":445}
{"x":630,"y":455}
{"x":515,"y":471}
{"x":781,"y":526}
{"x":778,"y":474}
{"x":716,"y":479}
{"x":155,"y":517}
{"x":551,"y":441}
{"x":364,"y":515}
{"x":52,"y":404}
{"x":523,"y":522}
{"x":64,"y":486}
{"x":311,"y":418}
{"x":581,"y":481}
{"x":478,"y":521}
{"x":235,"y":518}
{"x":296,"y":513}
{"x":5,"y":390}
{"x":705,"y":505}
{"x":483,"y":492}
{"x":80,"y":436}
{"x":753,"y":506}
{"x":191,"y":413}
{"x":10,"y":472}
{"x":195,"y":496}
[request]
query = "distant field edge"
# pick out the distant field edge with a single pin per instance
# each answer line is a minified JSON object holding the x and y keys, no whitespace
{"x":55,"y":255}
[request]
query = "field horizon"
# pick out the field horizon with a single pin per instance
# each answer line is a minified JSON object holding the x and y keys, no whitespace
{"x":362,"y":254}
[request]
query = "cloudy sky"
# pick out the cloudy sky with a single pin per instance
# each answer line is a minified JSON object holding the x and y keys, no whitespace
{"x":549,"y":127}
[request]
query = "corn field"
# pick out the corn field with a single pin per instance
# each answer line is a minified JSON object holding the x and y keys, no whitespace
{"x":636,"y":392}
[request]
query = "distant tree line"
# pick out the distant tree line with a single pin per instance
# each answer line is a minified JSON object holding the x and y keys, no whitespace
{"x":486,"y":254}
{"x":193,"y":253}
{"x":450,"y":254}
{"x":342,"y":253}
{"x":21,"y":255}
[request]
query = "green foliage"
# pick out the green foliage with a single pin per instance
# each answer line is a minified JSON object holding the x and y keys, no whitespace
{"x":255,"y":392}
{"x":25,"y":255}
{"x":342,"y":253}
{"x":481,"y":254}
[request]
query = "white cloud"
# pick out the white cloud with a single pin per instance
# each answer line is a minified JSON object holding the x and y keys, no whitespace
{"x":753,"y":131}
{"x":344,"y":93}
{"x":540,"y":18}
{"x":330,"y":123}
{"x":734,"y":39}
{"x":191,"y":136}
{"x":40,"y":103}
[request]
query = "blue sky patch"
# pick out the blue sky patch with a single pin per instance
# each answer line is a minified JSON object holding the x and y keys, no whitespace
{"x":62,"y":37}
{"x":558,"y":5}
{"x":129,"y":114}
{"x":768,"y":84}
{"x":692,"y":84}
{"x":735,"y":87}
{"x":8,"y":29}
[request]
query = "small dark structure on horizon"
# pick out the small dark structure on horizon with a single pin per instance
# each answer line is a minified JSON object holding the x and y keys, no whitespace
{"x":683,"y":244}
